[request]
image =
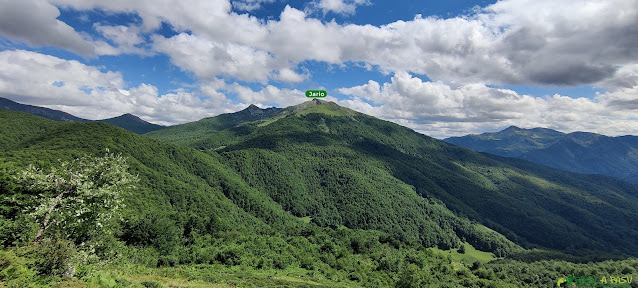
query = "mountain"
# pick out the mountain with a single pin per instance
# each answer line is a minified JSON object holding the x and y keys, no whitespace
{"x":133,"y":123}
{"x":327,"y":196}
{"x":579,"y":152}
{"x":194,"y":131}
{"x":339,"y":167}
{"x":39,"y":111}
{"x":191,"y":207}
{"x":150,"y":156}
{"x":127,"y":121}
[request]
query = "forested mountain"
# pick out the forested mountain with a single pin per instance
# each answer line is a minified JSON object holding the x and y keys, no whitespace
{"x":579,"y":152}
{"x":39,"y":111}
{"x":320,"y":154}
{"x":345,"y":198}
{"x":194,"y":131}
{"x":127,"y":121}
{"x":133,"y":123}
{"x":182,"y":181}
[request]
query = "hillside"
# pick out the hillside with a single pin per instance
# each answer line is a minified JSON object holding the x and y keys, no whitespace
{"x":159,"y":163}
{"x":127,"y":121}
{"x":189,"y":207}
{"x":578,"y":152}
{"x":133,"y":123}
{"x":331,"y":198}
{"x":320,"y":154}
{"x":39,"y":111}
{"x":194,"y":131}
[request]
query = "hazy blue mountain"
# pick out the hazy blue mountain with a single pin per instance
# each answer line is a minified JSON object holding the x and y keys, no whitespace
{"x":580,"y":152}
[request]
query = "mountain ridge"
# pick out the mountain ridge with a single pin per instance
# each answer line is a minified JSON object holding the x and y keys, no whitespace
{"x":580,"y":152}
{"x":127,"y":121}
{"x":460,"y":178}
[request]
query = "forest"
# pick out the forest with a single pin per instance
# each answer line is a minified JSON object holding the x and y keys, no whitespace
{"x":314,"y":195}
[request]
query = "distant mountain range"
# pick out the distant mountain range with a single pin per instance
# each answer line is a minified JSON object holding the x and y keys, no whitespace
{"x":127,"y":121}
{"x":580,"y":152}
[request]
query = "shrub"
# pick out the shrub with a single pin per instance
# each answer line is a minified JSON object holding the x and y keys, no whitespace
{"x":55,"y":256}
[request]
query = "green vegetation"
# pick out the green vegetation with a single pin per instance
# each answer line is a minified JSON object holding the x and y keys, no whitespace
{"x":466,"y":254}
{"x":321,"y":196}
{"x":133,"y":123}
{"x":127,"y":121}
{"x":316,"y":165}
{"x":579,"y":152}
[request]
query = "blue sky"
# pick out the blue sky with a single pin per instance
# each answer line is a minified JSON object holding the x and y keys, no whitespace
{"x":443,"y":68}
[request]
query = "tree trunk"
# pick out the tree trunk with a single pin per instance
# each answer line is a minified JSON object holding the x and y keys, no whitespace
{"x":47,"y":217}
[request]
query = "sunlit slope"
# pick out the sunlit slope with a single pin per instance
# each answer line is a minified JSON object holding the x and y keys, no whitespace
{"x":194,"y":131}
{"x":189,"y":188}
{"x":340,"y":167}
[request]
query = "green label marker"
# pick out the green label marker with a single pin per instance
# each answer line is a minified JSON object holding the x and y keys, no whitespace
{"x":316,"y":93}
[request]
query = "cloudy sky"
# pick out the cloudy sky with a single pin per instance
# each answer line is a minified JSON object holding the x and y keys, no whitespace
{"x":443,"y":68}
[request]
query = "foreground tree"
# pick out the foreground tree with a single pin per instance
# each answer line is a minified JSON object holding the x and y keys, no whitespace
{"x":80,"y":199}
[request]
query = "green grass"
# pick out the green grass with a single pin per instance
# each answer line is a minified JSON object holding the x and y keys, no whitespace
{"x":199,"y":276}
{"x":470,"y":256}
{"x":306,"y":219}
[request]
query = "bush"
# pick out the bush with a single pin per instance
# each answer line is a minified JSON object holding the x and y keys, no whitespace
{"x":55,"y":256}
{"x":14,"y":270}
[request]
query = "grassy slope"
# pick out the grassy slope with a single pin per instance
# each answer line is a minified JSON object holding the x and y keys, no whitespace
{"x":194,"y":131}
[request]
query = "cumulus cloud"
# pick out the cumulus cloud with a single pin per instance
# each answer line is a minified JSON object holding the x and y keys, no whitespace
{"x":35,"y":23}
{"x":440,"y":110}
{"x":268,"y":95}
{"x":346,"y":7}
{"x":510,"y":42}
{"x":537,"y":42}
{"x":208,"y":58}
{"x":88,"y":92}
{"x":127,"y":40}
{"x":249,"y":5}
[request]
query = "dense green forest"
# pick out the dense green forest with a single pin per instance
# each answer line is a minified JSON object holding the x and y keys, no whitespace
{"x":313,"y":195}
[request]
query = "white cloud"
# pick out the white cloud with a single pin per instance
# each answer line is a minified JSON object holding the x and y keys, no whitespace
{"x":510,"y":42}
{"x":541,"y":42}
{"x":287,"y":75}
{"x":249,"y":5}
{"x":208,"y":59}
{"x":87,"y":92}
{"x":127,"y":40}
{"x":346,"y":7}
{"x":269,"y":95}
{"x":35,"y":23}
{"x":440,"y":110}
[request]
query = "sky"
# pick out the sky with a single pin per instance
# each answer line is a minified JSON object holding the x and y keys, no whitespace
{"x":442,"y":68}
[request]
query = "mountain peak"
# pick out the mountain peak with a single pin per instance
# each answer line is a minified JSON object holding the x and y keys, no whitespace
{"x":512,"y":128}
{"x":132,"y":123}
{"x":322,"y":107}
